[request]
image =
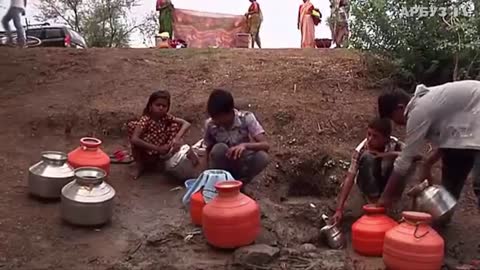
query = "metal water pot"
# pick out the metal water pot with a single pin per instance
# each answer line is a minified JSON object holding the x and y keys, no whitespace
{"x":88,"y":200}
{"x":434,"y":199}
{"x":47,"y":177}
{"x":180,"y":166}
{"x":200,"y":148}
{"x":332,"y":234}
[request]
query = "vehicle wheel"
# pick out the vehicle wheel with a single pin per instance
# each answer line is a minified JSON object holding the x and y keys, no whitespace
{"x":4,"y":41}
{"x":33,"y":42}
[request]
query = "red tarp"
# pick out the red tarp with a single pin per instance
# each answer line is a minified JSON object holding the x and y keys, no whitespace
{"x":205,"y":29}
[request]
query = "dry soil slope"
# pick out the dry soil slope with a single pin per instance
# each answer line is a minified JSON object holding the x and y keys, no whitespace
{"x":308,"y":98}
{"x":310,"y":101}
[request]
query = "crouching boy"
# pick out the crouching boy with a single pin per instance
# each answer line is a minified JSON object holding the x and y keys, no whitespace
{"x":371,"y":164}
{"x":235,"y":140}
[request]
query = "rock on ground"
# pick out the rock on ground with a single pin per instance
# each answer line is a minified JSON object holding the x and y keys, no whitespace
{"x":308,"y":248}
{"x":255,"y":255}
{"x":331,"y":259}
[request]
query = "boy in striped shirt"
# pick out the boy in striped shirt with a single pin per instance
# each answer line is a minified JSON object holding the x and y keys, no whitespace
{"x":371,"y":164}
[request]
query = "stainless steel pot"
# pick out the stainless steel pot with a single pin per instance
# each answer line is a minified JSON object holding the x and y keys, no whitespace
{"x":180,"y":166}
{"x":434,"y":199}
{"x":47,"y":177}
{"x":88,"y":200}
{"x":200,"y":148}
{"x":332,"y":234}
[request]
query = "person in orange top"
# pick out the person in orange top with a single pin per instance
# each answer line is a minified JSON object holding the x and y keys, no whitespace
{"x":305,"y":24}
{"x":254,"y":18}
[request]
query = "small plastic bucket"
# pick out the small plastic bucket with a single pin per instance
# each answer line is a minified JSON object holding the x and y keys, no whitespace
{"x":190,"y":183}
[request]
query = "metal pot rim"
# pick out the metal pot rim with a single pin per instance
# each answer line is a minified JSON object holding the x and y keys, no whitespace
{"x":97,"y":175}
{"x":55,"y":156}
{"x":328,"y":227}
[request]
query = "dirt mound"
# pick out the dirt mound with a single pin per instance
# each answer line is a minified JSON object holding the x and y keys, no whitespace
{"x":304,"y":99}
{"x":314,"y":105}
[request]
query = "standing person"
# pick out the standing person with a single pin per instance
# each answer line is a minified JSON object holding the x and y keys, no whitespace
{"x":448,"y":117}
{"x":339,"y":22}
{"x":15,"y":12}
{"x":166,"y":8}
{"x":305,"y":24}
{"x":156,"y":134}
{"x":371,"y":164}
{"x":255,"y":18}
{"x":235,"y":140}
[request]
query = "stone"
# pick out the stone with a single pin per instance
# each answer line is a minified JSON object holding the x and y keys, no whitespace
{"x":450,"y":263}
{"x":465,"y":267}
{"x":289,"y":252}
{"x":258,"y":255}
{"x":307,"y":248}
{"x":332,"y":259}
{"x":267,"y":237}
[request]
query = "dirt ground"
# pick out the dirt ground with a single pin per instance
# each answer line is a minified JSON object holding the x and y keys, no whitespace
{"x":314,"y":105}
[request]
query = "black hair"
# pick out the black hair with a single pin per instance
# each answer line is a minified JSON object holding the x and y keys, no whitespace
{"x":389,"y":100}
{"x":153,"y":97}
{"x":220,"y":102}
{"x":382,"y":125}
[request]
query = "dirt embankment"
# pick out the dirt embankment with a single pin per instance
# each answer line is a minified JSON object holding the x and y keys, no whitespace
{"x":305,"y":100}
{"x":313,"y":104}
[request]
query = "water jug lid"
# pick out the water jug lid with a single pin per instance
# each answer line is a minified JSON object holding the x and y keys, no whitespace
{"x":373,"y":209}
{"x":416,"y":216}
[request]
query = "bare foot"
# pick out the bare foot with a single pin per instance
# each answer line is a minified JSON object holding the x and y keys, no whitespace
{"x":137,"y":171}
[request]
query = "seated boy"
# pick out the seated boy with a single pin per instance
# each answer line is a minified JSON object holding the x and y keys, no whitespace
{"x":371,"y":164}
{"x":235,"y":140}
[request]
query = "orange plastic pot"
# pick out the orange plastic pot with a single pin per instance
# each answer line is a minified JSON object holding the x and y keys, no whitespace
{"x":196,"y":207}
{"x":413,"y":244}
{"x":368,"y":232}
{"x":89,"y":154}
{"x":231,"y":219}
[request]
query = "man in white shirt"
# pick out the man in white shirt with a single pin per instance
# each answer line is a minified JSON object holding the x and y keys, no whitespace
{"x":15,"y":12}
{"x":448,"y":116}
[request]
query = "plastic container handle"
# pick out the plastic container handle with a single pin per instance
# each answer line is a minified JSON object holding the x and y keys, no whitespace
{"x":417,"y":226}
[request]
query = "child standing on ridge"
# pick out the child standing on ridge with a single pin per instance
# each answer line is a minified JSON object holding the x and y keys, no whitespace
{"x":156,"y":134}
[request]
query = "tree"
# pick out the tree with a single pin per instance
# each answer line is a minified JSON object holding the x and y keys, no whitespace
{"x":430,"y":44}
{"x":103,"y":23}
{"x":71,"y":12}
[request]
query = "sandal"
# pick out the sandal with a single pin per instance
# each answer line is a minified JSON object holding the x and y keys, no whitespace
{"x":121,"y":157}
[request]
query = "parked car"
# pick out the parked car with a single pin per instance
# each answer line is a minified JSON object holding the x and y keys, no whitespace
{"x":56,"y":36}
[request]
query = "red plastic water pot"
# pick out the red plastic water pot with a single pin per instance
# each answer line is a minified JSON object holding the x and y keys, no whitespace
{"x":89,"y":154}
{"x":196,"y":207}
{"x":231,"y":219}
{"x":413,"y":244}
{"x":368,"y":232}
